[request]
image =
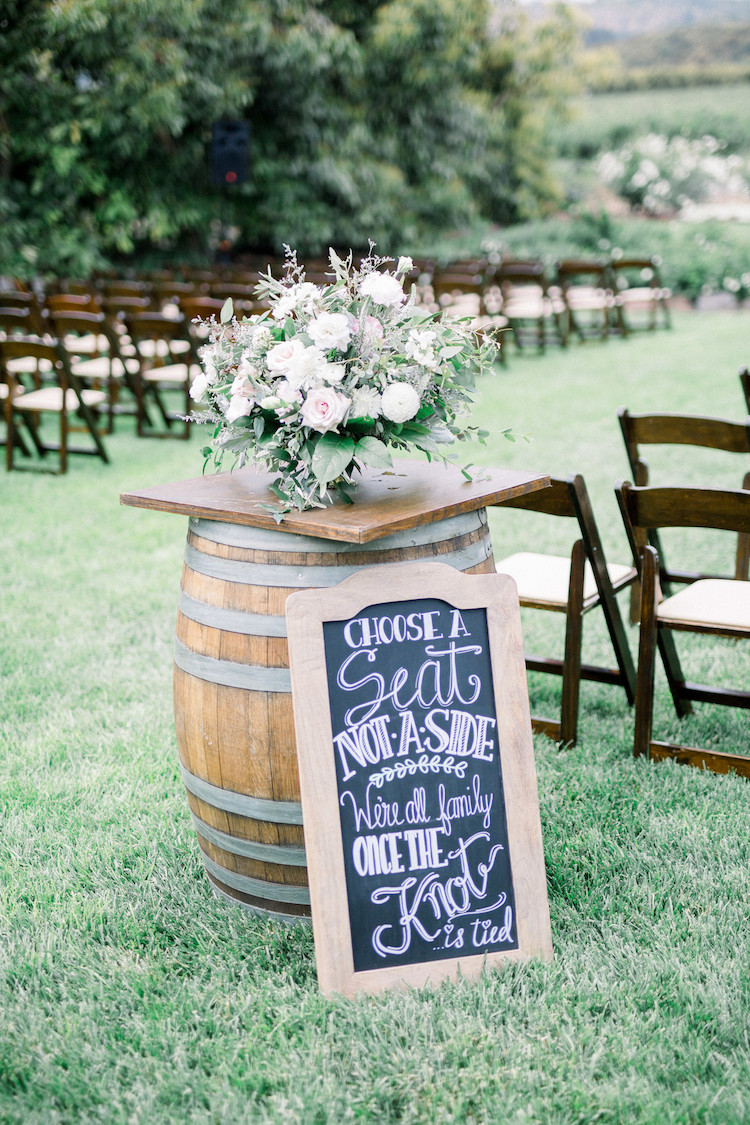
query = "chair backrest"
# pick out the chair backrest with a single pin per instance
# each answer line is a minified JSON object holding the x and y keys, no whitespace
{"x":162,"y":331}
{"x":154,"y":326}
{"x":72,"y":302}
{"x":582,"y":271}
{"x":203,"y":307}
{"x":26,"y":303}
{"x":693,"y":430}
{"x":646,"y":508}
{"x":679,"y":429}
{"x":567,"y":497}
{"x":633,"y":272}
{"x":20,"y":322}
{"x":123,"y":287}
{"x":70,"y":324}
{"x":36,"y":350}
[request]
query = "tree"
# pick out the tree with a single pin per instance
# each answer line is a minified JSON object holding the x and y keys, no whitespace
{"x":369,"y":120}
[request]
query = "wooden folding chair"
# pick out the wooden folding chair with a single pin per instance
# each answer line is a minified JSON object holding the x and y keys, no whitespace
{"x":28,"y":308}
{"x":572,"y":585}
{"x":693,"y":430}
{"x":67,"y":397}
{"x":587,"y":297}
{"x":719,"y":607}
{"x":533,"y":311}
{"x":167,"y":363}
{"x":640,"y":299}
{"x":95,"y":355}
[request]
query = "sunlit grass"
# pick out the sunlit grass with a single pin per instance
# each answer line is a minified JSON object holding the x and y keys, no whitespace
{"x":129,"y":995}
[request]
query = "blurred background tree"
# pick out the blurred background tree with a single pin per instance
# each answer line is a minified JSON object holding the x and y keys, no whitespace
{"x":369,"y":120}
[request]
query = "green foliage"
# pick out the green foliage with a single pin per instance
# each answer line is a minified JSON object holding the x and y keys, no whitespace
{"x":368,"y":121}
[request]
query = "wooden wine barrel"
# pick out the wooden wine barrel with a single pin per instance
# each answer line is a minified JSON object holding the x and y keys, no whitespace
{"x":233,"y":707}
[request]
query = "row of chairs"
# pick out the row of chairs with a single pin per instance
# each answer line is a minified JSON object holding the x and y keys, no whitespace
{"x":85,"y":366}
{"x":579,"y":298}
{"x":669,"y":599}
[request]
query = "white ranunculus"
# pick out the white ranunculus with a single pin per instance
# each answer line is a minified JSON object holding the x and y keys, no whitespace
{"x":330,"y":330}
{"x":324,"y":408}
{"x":383,"y":289}
{"x":400,"y":402}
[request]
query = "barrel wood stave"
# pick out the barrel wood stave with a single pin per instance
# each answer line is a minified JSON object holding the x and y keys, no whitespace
{"x":233,"y":710}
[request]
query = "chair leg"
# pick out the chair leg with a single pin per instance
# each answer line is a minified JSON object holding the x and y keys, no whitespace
{"x":644,"y":687}
{"x":571,"y":679}
{"x":63,"y":438}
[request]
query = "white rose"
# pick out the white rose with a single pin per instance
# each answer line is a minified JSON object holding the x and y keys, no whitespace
{"x":330,"y":330}
{"x":279,"y":357}
{"x":205,"y":378}
{"x":404,"y":265}
{"x":383,"y":289}
{"x":239,"y":407}
{"x":399,"y":402}
{"x":199,"y":386}
{"x":323,"y":409}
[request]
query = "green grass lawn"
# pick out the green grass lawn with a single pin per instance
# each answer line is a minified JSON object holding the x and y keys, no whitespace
{"x":128,"y":994}
{"x":600,"y":120}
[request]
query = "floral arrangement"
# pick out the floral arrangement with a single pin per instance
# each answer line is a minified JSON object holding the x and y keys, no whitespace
{"x":329,"y":377}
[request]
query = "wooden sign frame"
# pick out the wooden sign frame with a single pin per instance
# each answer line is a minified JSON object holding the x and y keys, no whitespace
{"x":307,"y":612}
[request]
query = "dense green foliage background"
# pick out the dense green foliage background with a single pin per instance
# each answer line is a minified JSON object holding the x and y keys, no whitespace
{"x":368,"y":120}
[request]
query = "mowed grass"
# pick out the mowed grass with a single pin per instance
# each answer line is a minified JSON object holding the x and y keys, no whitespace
{"x":129,"y":994}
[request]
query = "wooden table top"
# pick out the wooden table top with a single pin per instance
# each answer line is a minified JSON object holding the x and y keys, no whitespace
{"x":387,"y":500}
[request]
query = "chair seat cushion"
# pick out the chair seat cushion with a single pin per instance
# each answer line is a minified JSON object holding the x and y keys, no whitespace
{"x":173,"y":373}
{"x":27,"y":365}
{"x":84,"y":345}
{"x":49,"y":400}
{"x":544,"y":579}
{"x":151,"y":348}
{"x":103,"y":368}
{"x":718,"y":602}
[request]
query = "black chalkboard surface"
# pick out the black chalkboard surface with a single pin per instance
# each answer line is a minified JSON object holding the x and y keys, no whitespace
{"x":420,"y":793}
{"x":422,"y":854}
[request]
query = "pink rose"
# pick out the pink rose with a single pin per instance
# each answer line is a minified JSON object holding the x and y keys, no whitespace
{"x":323,"y":409}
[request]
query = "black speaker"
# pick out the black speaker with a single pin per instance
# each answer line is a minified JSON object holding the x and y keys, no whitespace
{"x":230,"y":143}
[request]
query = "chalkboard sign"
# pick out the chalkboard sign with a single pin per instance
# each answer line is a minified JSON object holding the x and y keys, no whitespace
{"x":417,"y":776}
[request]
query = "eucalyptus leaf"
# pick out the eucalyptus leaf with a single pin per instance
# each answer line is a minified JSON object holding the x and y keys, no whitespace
{"x":374,"y":453}
{"x":332,"y":455}
{"x":227,"y":311}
